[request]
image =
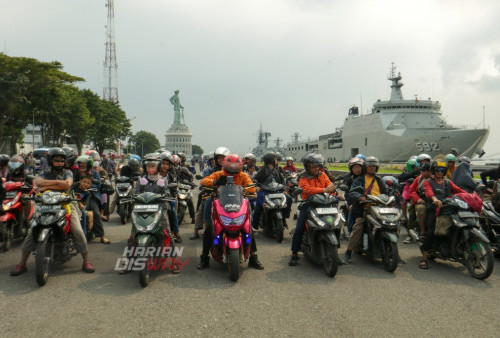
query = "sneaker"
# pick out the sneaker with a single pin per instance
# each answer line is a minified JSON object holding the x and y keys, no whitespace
{"x":87,"y":267}
{"x":254,"y":262}
{"x":255,"y":229}
{"x":408,"y":240}
{"x":195,"y":236}
{"x":294,"y":260}
{"x":347,"y":258}
{"x":19,"y":270}
{"x":204,"y":262}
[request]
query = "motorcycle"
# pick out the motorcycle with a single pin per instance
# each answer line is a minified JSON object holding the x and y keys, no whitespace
{"x":273,"y":207}
{"x":51,"y":232}
{"x":490,"y":224}
{"x":464,"y":243}
{"x":124,"y":201}
{"x":148,"y":234}
{"x":231,"y":227}
{"x":184,"y":196}
{"x":12,"y":222}
{"x":291,"y":181}
{"x":324,"y":224}
{"x":380,"y":237}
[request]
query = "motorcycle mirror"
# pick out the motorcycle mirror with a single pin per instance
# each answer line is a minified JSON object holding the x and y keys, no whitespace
{"x":297,"y":191}
{"x":198,"y":177}
{"x":343,"y":187}
{"x":172,"y":185}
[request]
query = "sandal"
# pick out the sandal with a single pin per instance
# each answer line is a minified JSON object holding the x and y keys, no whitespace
{"x":105,"y":218}
{"x":104,"y":240}
{"x":423,"y":265}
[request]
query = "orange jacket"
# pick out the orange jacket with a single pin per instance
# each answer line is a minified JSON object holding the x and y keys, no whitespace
{"x":242,"y":179}
{"x":313,"y":185}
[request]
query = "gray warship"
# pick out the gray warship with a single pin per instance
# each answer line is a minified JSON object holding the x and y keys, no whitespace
{"x":393,"y":131}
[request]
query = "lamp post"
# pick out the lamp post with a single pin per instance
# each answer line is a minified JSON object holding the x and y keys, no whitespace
{"x":33,"y":131}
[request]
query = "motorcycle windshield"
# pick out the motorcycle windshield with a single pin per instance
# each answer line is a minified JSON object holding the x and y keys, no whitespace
{"x":273,"y":187}
{"x":230,"y":196}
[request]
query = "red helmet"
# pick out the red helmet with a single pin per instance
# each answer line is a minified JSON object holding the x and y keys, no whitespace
{"x":232,"y":165}
{"x":176,"y":159}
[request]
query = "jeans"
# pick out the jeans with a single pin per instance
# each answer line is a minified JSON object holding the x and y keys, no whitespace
{"x":208,"y":236}
{"x":300,"y":228}
{"x":172,"y":218}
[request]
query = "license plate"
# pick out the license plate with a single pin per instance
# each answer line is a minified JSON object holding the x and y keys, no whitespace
{"x":146,"y":208}
{"x":467,"y":214}
{"x":275,"y":196}
{"x":11,"y":194}
{"x":326,"y":211}
{"x":49,"y":208}
{"x":388,"y":210}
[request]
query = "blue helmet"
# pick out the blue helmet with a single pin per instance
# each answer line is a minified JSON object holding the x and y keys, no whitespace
{"x":137,"y":157}
{"x":361,"y":156}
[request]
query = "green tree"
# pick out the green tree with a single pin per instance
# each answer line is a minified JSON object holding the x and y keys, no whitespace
{"x":110,"y":122}
{"x":197,"y":150}
{"x":144,"y":142}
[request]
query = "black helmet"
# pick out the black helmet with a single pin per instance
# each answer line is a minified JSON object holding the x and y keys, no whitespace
{"x":182,"y":156}
{"x":251,"y":157}
{"x":439,"y":165}
{"x":313,"y":158}
{"x":269,"y":158}
{"x":371,"y":161}
{"x":151,"y":158}
{"x":53,"y":152}
{"x":133,"y":164}
{"x":4,"y":159}
{"x":70,"y":154}
{"x":166,"y":156}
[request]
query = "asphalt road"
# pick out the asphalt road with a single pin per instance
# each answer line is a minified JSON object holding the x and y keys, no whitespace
{"x":362,"y":300}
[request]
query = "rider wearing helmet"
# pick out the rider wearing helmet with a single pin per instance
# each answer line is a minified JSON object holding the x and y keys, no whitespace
{"x":183,"y":174}
{"x":370,"y":184}
{"x":267,"y":174}
{"x":15,"y":169}
{"x":437,"y":188}
{"x":4,"y":161}
{"x":167,"y":172}
{"x":356,"y":169}
{"x":132,"y":168}
{"x":423,"y":158}
{"x":249,"y":160}
{"x":417,"y":209}
{"x":289,"y":165}
{"x":407,"y":177}
{"x":232,"y":166}
{"x":451,"y":164}
{"x":312,"y":181}
{"x":361,"y":156}
{"x":58,"y":179}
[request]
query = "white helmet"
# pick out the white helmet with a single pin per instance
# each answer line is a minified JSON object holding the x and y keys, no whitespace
{"x":221,"y":151}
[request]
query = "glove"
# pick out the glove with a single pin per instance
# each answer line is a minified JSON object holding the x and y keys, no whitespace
{"x":160,"y":182}
{"x":143,"y":181}
{"x":221,"y":180}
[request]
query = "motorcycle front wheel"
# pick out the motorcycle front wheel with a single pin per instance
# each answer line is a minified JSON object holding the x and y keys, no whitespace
{"x":180,"y":213}
{"x":478,"y":258}
{"x":330,"y":258}
{"x":278,"y":229}
{"x":122,"y":211}
{"x":233,"y":264}
{"x":145,"y":275}
{"x":390,"y":255}
{"x":42,"y":262}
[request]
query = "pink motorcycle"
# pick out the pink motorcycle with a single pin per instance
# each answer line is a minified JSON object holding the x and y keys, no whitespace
{"x":231,"y":224}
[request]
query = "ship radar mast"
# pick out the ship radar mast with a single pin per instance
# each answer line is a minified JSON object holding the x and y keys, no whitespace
{"x":295,"y":137}
{"x":396,"y":85}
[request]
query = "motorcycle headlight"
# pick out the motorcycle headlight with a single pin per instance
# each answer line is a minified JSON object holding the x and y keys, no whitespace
{"x":317,"y":220}
{"x":268,"y":201}
{"x":182,"y":196}
{"x":225,"y":220}
{"x":49,"y":198}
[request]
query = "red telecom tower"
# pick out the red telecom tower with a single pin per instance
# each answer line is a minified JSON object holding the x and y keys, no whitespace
{"x":110,"y":91}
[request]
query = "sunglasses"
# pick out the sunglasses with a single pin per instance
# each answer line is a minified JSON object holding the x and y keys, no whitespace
{"x":441,"y":170}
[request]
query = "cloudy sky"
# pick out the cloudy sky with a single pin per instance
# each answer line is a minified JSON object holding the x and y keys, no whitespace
{"x":294,"y":65}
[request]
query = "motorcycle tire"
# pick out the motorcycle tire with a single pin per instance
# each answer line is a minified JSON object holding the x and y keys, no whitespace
{"x":390,"y":255}
{"x":278,"y":229}
{"x":145,"y":274}
{"x":478,"y":256}
{"x":6,"y":232}
{"x":123,"y":214}
{"x":233,"y":264}
{"x":129,"y":213}
{"x":42,"y":262}
{"x":180,"y":213}
{"x":330,"y":258}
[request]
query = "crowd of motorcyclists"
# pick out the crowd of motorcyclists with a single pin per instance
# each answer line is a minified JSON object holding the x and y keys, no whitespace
{"x":420,"y":192}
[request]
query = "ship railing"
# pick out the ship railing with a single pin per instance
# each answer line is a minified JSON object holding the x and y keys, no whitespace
{"x":467,"y":126}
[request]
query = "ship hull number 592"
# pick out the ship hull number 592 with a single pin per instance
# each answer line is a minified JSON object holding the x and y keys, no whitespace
{"x":427,"y":146}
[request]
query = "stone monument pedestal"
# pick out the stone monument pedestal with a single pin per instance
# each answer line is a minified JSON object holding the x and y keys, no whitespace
{"x":178,"y":139}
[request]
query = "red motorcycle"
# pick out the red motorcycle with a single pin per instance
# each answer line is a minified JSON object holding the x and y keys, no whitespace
{"x":12,"y":222}
{"x":231,"y":224}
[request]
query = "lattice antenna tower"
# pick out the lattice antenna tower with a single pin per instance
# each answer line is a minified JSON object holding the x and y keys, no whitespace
{"x":110,"y":91}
